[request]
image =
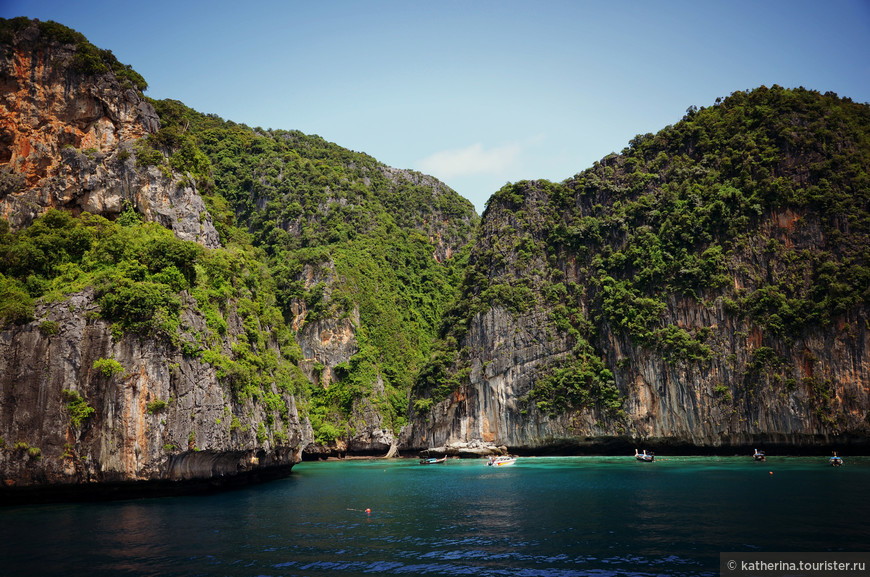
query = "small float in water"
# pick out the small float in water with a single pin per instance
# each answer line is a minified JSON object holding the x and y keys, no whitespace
{"x":501,"y":461}
{"x":645,"y":457}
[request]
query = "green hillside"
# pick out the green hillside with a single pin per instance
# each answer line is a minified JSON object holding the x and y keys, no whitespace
{"x":312,"y":233}
{"x":310,"y":204}
{"x":760,"y":201}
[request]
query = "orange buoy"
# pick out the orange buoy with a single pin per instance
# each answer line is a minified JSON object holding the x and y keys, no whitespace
{"x":368,"y":511}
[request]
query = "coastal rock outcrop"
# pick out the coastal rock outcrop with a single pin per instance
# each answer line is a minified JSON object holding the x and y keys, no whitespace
{"x":80,"y":407}
{"x":90,"y":408}
{"x":685,"y":294}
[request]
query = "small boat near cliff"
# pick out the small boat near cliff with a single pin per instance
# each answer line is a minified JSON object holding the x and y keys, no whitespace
{"x":433,"y":460}
{"x":759,"y":455}
{"x":836,"y":460}
{"x":645,"y":457}
{"x":501,"y":461}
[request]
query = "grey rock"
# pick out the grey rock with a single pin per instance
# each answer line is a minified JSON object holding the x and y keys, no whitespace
{"x":200,"y":433}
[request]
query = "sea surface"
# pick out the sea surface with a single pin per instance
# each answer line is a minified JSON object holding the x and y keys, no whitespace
{"x":543,"y":517}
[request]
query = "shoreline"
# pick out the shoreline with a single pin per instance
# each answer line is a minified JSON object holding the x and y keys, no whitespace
{"x":409,"y":457}
{"x":786,"y":445}
{"x":144,"y":489}
{"x":663,"y":448}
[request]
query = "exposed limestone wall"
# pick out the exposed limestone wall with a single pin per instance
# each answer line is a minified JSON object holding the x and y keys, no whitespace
{"x":67,"y":141}
{"x":817,"y":394}
{"x":676,"y":404}
{"x":201,"y":433}
{"x":326,"y":343}
{"x":682,"y":401}
{"x":103,"y":185}
{"x":45,"y":105}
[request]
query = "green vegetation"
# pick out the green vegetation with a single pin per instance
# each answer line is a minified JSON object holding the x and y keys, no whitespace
{"x":49,"y":328}
{"x":156,"y":406}
{"x":760,"y":201}
{"x":584,"y":382}
{"x":108,"y":367}
{"x":78,"y":409}
{"x":261,"y":433}
{"x":690,"y":206}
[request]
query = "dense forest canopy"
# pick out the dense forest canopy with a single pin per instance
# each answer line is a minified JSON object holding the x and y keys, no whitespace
{"x":312,"y":205}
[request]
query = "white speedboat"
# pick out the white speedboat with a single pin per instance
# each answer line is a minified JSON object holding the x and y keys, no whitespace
{"x":501,"y":461}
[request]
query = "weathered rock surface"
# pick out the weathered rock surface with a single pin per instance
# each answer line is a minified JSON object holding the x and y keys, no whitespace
{"x":166,"y":417}
{"x":666,"y":403}
{"x":805,"y":389}
{"x":67,"y":141}
{"x":464,"y":450}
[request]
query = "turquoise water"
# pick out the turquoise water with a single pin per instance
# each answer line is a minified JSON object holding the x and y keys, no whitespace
{"x":547,"y":517}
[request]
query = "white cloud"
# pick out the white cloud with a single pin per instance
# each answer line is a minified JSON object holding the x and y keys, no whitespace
{"x":471,"y":160}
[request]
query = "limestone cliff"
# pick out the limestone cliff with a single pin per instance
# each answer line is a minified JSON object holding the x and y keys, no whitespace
{"x":68,"y":135}
{"x":90,"y":406}
{"x":328,"y":344}
{"x":362,"y":255}
{"x":706,"y":288}
{"x":365,"y":257}
{"x":80,"y":407}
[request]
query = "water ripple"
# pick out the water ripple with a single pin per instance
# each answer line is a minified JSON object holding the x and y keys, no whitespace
{"x":452,"y":568}
{"x":580,"y":517}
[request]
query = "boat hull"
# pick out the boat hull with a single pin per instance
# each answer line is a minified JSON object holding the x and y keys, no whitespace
{"x":433,"y":461}
{"x":502,"y":462}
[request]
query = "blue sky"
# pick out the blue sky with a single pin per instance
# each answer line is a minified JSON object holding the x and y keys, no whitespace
{"x":475,"y":93}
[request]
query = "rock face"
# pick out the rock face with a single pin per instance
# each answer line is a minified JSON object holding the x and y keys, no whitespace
{"x":448,"y":230}
{"x":161,"y":416}
{"x":327,"y":343}
{"x":706,"y":288}
{"x":67,"y":140}
{"x":731,"y":401}
{"x":751,"y":350}
{"x":85,"y":412}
